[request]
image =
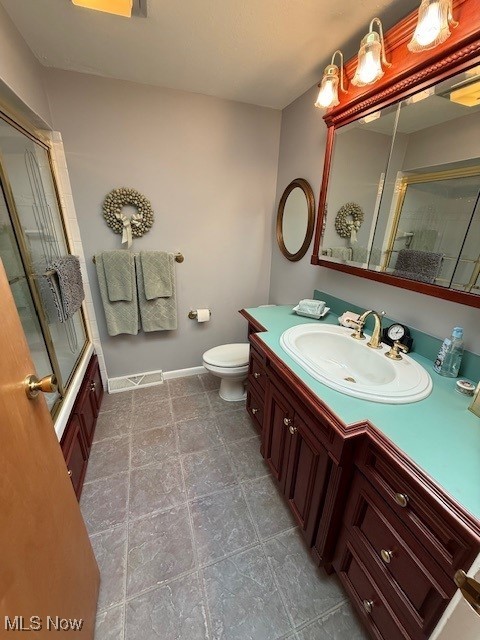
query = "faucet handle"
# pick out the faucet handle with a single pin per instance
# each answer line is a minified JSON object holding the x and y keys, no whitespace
{"x":394,"y":354}
{"x":358,"y":326}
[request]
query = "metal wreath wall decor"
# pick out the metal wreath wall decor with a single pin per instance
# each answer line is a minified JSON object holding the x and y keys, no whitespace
{"x":349,"y":220}
{"x":135,"y":226}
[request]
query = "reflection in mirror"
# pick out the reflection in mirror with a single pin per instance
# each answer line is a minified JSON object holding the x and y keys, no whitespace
{"x":414,"y":169}
{"x":295,"y":219}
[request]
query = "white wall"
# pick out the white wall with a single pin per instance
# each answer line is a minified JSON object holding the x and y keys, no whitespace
{"x":209,"y":168}
{"x":302,"y":148}
{"x":21,"y":84}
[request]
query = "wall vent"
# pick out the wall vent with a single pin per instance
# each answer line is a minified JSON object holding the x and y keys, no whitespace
{"x":136,"y":381}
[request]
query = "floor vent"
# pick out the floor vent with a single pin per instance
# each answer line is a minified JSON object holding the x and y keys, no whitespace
{"x":137,"y":381}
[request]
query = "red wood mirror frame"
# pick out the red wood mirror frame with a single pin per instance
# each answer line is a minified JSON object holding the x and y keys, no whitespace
{"x":408,"y":74}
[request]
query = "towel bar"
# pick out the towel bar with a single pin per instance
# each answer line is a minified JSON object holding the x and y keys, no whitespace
{"x":179,"y":257}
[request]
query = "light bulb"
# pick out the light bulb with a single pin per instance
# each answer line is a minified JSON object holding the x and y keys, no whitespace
{"x":326,"y":95}
{"x":370,"y":68}
{"x":428,"y":29}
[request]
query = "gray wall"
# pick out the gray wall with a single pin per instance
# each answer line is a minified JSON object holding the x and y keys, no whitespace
{"x":21,"y":86}
{"x":302,"y":148}
{"x":208,"y":166}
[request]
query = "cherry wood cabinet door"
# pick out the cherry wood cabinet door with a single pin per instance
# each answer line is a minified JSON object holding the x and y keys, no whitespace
{"x":307,"y":477}
{"x":276,"y":436}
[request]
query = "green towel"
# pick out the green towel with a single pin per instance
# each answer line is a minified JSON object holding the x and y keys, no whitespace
{"x":119,"y":268}
{"x":159,"y":314}
{"x":157,"y":273}
{"x":121,"y":315}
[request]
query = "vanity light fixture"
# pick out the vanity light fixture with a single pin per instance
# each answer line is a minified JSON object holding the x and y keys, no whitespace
{"x":328,"y":94}
{"x":117,"y":7}
{"x":433,"y":25}
{"x":371,"y":57}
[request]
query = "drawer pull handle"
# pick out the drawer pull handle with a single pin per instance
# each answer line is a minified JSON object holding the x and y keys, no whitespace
{"x":292,"y":429}
{"x":287,"y":422}
{"x":254,"y":411}
{"x":401,"y":499}
{"x":257,"y":375}
{"x":70,"y":473}
{"x":386,"y":555}
{"x":93,"y":386}
{"x":368,"y":605}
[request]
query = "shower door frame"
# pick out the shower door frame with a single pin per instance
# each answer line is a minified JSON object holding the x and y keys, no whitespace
{"x":43,"y":141}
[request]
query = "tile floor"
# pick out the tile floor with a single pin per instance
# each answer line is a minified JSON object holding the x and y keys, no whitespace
{"x":191,"y":536}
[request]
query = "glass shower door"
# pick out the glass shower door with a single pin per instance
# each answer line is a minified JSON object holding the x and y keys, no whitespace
{"x":35,"y":218}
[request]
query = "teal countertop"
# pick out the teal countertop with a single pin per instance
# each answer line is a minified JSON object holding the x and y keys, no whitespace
{"x":438,"y":433}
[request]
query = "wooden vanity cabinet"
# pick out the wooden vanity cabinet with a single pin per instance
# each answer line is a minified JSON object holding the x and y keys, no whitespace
{"x":78,"y":435}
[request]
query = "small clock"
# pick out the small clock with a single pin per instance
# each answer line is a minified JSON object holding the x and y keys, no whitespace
{"x":398,"y":332}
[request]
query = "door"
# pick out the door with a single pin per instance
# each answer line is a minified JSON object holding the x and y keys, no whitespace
{"x":48,"y":573}
{"x":307,"y":477}
{"x":276,"y":435}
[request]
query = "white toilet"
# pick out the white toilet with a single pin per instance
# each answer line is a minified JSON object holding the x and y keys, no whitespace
{"x":230,"y":363}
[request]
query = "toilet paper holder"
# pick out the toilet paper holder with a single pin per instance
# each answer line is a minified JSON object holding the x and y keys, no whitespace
{"x":193,"y":314}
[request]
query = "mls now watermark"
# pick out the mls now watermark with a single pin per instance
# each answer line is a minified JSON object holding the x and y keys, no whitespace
{"x":36,"y":623}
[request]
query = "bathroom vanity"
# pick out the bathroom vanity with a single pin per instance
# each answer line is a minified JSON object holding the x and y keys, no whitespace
{"x":385,"y":495}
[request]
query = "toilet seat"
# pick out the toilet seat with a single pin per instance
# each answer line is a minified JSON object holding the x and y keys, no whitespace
{"x":228,"y":355}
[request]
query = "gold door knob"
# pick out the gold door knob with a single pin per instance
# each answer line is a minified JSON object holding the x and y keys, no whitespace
{"x":257,"y":375}
{"x":292,"y":429}
{"x":33,"y":386}
{"x":287,"y":422}
{"x":401,"y":499}
{"x":254,"y":411}
{"x":386,"y":555}
{"x":368,"y":605}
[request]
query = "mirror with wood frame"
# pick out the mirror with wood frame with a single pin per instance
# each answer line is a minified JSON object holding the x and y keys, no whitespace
{"x":296,"y":219}
{"x":401,"y":183}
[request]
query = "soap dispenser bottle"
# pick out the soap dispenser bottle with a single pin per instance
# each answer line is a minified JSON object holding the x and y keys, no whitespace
{"x":450,"y":355}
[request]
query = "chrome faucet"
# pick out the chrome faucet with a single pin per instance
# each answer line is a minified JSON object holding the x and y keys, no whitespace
{"x":376,"y":339}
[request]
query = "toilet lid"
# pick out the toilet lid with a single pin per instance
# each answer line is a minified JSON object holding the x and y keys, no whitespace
{"x":228,"y":355}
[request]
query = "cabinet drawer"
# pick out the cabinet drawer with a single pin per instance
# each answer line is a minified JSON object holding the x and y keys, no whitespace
{"x":75,"y":453}
{"x":417,"y":589}
{"x":435,"y":528}
{"x":256,"y":373}
{"x":255,"y":407}
{"x":95,"y":385}
{"x":365,"y":594}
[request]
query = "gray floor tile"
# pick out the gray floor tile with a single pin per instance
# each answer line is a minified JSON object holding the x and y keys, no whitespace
{"x":235,"y":425}
{"x":175,"y":611}
{"x":156,"y":487}
{"x":159,"y":548}
{"x":197,"y":435}
{"x":150,"y":394}
{"x":342,"y":624}
{"x":153,"y":446}
{"x":221,"y":525}
{"x":308,"y":590}
{"x":186,"y":386}
{"x":108,"y":457}
{"x":219,"y":405}
{"x":109,"y":624}
{"x":121,"y":401}
{"x":207,"y":472}
{"x":209,"y":381}
{"x":243,"y":600}
{"x":188,"y":407}
{"x":104,"y":502}
{"x":268,"y":508}
{"x":113,"y":424}
{"x":247,"y":459}
{"x":149,"y":415}
{"x":110,"y":550}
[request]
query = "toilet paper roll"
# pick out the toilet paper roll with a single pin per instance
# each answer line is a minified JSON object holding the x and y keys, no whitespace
{"x":203,"y":315}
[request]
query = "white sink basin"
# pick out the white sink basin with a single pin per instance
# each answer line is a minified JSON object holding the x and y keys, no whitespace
{"x":332,"y":356}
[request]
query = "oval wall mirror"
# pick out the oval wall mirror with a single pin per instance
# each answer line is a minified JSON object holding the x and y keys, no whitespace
{"x":295,"y":219}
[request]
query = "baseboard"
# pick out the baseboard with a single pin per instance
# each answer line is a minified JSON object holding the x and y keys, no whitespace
{"x":181,"y":373}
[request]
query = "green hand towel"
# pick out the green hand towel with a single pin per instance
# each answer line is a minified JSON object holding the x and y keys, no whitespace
{"x":121,"y":315}
{"x":119,"y":269}
{"x":159,"y":314}
{"x":157,"y":274}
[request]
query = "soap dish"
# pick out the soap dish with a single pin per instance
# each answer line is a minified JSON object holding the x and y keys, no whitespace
{"x":315,"y":316}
